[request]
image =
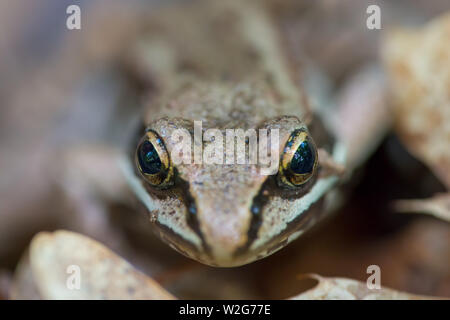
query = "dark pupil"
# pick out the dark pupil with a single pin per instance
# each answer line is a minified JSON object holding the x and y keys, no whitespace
{"x":303,"y":159}
{"x":148,"y":158}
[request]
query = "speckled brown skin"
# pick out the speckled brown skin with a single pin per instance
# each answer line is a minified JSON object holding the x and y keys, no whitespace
{"x":223,"y":65}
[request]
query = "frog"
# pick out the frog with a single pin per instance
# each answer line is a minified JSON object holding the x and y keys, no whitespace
{"x":228,"y":66}
{"x":228,"y":215}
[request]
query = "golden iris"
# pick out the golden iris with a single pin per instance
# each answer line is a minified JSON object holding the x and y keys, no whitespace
{"x":299,"y":159}
{"x":153,"y":161}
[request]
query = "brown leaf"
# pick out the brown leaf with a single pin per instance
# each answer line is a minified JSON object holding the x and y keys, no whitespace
{"x":363,"y":116}
{"x":438,"y":206}
{"x":329,"y":165}
{"x":104,"y":275}
{"x":418,"y":66}
{"x":348,"y":289}
{"x":23,"y":286}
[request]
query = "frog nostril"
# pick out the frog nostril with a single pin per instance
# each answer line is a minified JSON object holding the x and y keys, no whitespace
{"x":255,"y":209}
{"x":192,"y":208}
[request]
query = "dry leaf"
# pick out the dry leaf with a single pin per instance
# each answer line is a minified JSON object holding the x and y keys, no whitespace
{"x":438,"y":206}
{"x":92,"y":169}
{"x":348,"y":289}
{"x":104,"y":275}
{"x":23,"y":286}
{"x":328,"y":165}
{"x":363,"y":117}
{"x":419,"y":72}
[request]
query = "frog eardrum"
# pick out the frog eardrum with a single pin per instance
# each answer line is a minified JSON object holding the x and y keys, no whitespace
{"x":153,"y":161}
{"x":298,"y":161}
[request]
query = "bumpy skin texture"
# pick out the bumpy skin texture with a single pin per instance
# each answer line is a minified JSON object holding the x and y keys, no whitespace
{"x":241,"y":81}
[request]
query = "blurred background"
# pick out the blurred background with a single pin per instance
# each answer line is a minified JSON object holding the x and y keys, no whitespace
{"x":61,"y":90}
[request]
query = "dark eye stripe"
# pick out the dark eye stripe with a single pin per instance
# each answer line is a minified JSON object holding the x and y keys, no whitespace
{"x":192,"y":213}
{"x":256,"y":210}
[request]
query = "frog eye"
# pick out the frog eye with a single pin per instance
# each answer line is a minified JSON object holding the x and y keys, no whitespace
{"x":153,"y":161}
{"x":299,"y":160}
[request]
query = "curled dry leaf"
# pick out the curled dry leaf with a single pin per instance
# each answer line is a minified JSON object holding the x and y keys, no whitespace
{"x":418,"y":66}
{"x":348,"y":289}
{"x":23,"y":285}
{"x":438,"y":206}
{"x":92,"y":169}
{"x":103,"y":274}
{"x":362,"y":117}
{"x":329,"y":165}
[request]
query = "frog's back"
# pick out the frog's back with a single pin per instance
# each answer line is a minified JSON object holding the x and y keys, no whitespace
{"x":219,"y":62}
